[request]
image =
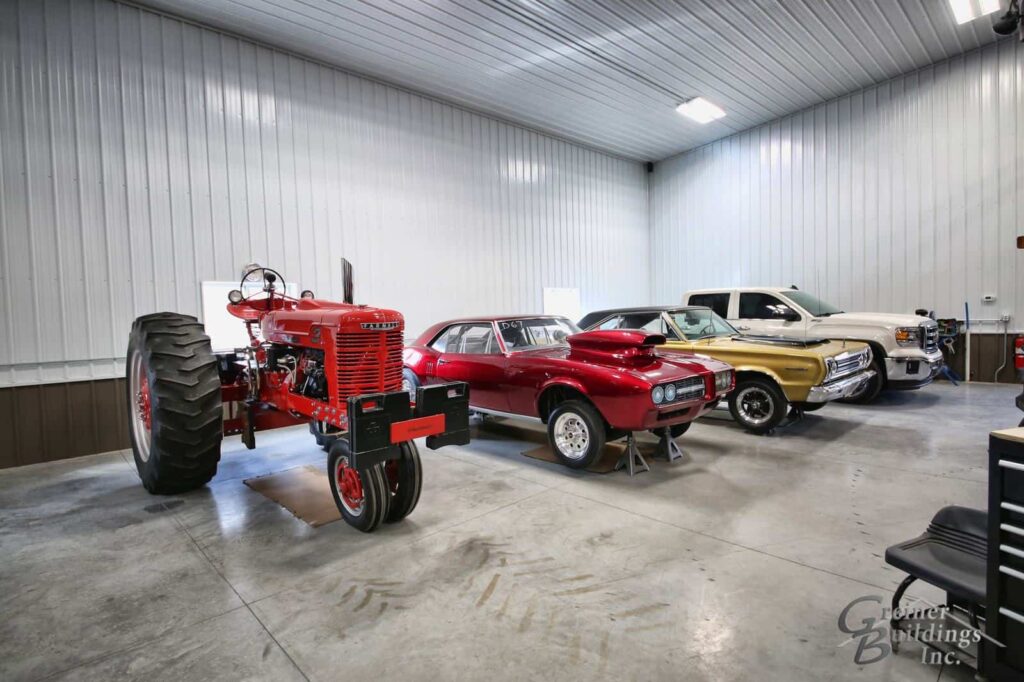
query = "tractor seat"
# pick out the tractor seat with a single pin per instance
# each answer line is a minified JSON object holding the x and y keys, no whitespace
{"x":951,"y":554}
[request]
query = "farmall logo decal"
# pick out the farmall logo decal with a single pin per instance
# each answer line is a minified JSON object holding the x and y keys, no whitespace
{"x":379,"y":326}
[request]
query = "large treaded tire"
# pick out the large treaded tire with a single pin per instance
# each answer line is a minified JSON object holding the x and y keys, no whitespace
{"x":171,"y":354}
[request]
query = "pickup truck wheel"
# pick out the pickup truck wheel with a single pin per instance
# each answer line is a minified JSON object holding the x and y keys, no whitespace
{"x":871,"y":388}
{"x":404,"y":480}
{"x":576,"y":432}
{"x":757,"y":404}
{"x":676,"y":430}
{"x":175,"y":416}
{"x":362,"y":497}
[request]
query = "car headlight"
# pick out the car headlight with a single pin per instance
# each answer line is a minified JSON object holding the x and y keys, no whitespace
{"x":670,"y":393}
{"x":723,"y":380}
{"x":908,"y":336}
{"x":658,"y":395}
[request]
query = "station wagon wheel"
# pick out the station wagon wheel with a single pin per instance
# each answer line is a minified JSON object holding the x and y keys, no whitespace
{"x":362,"y":497}
{"x":757,"y":404}
{"x":576,"y":432}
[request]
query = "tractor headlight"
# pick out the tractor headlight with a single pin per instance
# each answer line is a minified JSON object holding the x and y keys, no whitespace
{"x":658,"y":395}
{"x":235,"y":296}
{"x":670,"y":393}
{"x":908,"y":336}
{"x":723,"y":380}
{"x":306,"y":293}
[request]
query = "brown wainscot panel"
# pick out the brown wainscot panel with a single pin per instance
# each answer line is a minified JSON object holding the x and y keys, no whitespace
{"x":57,"y":421}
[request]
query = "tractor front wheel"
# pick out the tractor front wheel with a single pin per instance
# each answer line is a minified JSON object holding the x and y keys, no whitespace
{"x":405,"y":479}
{"x":174,"y":403}
{"x":363,"y":496}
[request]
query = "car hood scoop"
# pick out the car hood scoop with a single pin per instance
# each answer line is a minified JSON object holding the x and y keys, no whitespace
{"x":625,"y":346}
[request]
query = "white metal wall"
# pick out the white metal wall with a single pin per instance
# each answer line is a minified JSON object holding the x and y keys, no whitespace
{"x":900,"y":196}
{"x":141,"y":155}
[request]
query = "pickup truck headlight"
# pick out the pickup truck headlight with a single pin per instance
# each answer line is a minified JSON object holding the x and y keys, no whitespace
{"x":658,"y":395}
{"x":723,"y":380}
{"x":908,"y":336}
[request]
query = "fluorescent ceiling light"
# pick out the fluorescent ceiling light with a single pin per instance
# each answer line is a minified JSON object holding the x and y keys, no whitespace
{"x":700,"y":110}
{"x":969,"y":10}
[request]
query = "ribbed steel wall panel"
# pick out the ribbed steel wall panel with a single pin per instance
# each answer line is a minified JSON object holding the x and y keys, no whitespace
{"x":899,"y":196}
{"x":141,"y":155}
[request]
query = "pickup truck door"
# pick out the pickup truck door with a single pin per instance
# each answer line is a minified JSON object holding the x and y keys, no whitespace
{"x":473,"y":355}
{"x":766,"y":314}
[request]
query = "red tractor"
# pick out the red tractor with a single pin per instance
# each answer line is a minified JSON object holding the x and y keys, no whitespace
{"x":335,"y":366}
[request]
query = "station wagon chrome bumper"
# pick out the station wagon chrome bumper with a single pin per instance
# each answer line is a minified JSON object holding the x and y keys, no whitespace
{"x":839,"y":389}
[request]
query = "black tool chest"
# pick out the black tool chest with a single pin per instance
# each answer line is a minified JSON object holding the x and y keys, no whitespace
{"x":1005,"y":584}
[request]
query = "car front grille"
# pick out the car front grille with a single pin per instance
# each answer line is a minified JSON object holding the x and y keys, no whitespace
{"x":929,"y":338}
{"x":369,"y":362}
{"x":848,"y":363}
{"x":691,"y":388}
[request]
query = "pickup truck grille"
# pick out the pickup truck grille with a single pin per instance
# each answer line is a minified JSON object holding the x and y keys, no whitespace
{"x":369,"y":362}
{"x":929,"y":338}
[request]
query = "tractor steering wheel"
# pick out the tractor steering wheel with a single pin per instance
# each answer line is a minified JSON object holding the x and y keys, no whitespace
{"x":268,"y":275}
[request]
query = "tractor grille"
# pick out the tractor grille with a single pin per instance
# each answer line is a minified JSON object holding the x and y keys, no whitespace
{"x":929,"y":338}
{"x":369,"y":362}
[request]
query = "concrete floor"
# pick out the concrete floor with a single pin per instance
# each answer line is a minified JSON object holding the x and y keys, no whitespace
{"x":731,"y":565}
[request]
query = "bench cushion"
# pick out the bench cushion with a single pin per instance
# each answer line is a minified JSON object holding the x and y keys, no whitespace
{"x":951,"y":554}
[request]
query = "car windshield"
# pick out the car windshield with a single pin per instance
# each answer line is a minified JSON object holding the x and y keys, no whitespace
{"x":701,"y":323}
{"x":536,"y":332}
{"x":812,"y":304}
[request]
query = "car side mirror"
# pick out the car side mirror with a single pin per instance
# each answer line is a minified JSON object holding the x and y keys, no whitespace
{"x":787,"y":315}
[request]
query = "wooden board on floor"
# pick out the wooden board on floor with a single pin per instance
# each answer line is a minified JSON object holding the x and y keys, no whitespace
{"x":604,"y":464}
{"x":304,"y":491}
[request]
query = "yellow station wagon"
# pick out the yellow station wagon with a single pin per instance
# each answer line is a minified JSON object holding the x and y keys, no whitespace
{"x":772,"y":374}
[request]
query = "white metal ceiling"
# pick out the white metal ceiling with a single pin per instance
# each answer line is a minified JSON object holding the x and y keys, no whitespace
{"x":609,"y":73}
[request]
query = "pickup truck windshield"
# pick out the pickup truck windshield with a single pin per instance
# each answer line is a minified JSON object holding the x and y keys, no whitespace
{"x":536,"y":332}
{"x":701,"y":324}
{"x":812,"y":304}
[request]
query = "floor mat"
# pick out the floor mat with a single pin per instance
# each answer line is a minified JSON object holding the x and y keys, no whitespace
{"x":304,"y":491}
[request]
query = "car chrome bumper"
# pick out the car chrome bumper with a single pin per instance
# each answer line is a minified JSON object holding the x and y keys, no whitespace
{"x":839,"y":389}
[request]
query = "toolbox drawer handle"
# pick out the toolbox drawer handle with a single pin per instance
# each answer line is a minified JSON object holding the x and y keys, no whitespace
{"x":1011,"y":572}
{"x":1011,"y":529}
{"x":1011,"y":465}
{"x":1012,"y":507}
{"x":1011,"y":614}
{"x":1012,"y":550}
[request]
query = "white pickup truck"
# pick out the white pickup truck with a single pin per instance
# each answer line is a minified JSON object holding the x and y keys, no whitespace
{"x":906,"y":347}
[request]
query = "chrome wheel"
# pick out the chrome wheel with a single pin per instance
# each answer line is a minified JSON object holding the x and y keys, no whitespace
{"x":755,"y":405}
{"x":408,"y":387}
{"x":572,"y":437}
{"x":142,"y":407}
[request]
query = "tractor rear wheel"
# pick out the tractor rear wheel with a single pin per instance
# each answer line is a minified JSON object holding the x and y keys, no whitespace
{"x":404,"y":479}
{"x":174,"y":403}
{"x":362,"y":497}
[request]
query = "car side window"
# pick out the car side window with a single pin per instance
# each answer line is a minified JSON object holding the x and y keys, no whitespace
{"x":717,"y":302}
{"x":440,"y":343}
{"x":474,"y":339}
{"x":611,"y":323}
{"x":757,"y":306}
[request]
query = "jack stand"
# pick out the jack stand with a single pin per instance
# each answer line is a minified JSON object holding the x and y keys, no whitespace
{"x":795,"y":415}
{"x":631,"y":459}
{"x":667,"y":447}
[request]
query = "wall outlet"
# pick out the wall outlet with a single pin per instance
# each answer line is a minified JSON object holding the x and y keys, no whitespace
{"x":988,"y":298}
{"x":1005,"y":317}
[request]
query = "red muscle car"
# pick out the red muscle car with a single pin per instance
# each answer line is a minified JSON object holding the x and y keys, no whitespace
{"x":588,"y":387}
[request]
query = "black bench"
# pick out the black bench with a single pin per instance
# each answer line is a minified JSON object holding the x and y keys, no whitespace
{"x":951,"y":555}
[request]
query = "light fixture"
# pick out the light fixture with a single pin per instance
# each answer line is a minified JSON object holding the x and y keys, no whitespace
{"x":700,"y":110}
{"x":969,"y":10}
